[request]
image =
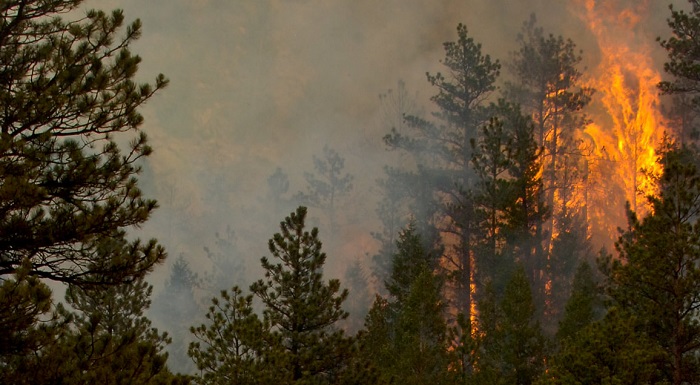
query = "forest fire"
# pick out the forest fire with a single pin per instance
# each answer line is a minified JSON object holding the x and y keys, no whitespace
{"x":627,"y":123}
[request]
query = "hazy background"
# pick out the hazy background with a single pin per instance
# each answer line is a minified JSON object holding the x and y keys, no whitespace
{"x":261,"y":84}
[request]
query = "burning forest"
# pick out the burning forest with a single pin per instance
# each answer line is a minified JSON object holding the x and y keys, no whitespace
{"x":521,"y":208}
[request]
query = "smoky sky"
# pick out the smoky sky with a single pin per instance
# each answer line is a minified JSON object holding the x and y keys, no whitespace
{"x":261,"y":84}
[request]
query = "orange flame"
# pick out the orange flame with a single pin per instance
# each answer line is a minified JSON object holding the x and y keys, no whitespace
{"x":626,"y":115}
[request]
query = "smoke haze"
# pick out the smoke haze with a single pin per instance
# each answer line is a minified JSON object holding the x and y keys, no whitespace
{"x":257,"y":85}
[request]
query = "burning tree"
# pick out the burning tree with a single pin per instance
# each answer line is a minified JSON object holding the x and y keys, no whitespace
{"x":548,"y":84}
{"x":443,"y":153}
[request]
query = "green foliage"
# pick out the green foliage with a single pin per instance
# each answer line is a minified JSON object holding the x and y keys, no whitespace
{"x":548,"y":86}
{"x":69,"y":191}
{"x":472,"y":78}
{"x":441,"y":149}
{"x":409,"y":261}
{"x":297,"y":340}
{"x":105,"y":339}
{"x":571,"y":250}
{"x":507,"y":195}
{"x":23,"y":300}
{"x":406,"y":335}
{"x":525,"y":209}
{"x":682,"y":48}
{"x":657,"y":276}
{"x":609,"y":351}
{"x":300,"y":308}
{"x":584,"y":304}
{"x":518,"y":339}
{"x":231,"y":348}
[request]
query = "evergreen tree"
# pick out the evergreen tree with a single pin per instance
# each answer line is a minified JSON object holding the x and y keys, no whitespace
{"x":584,"y":304}
{"x":398,"y":185}
{"x":548,"y":86}
{"x":657,"y":275}
{"x":570,"y":249}
{"x":232,"y":348}
{"x":508,"y":205}
{"x":24,"y":300}
{"x":105,"y":338}
{"x":69,"y":192}
{"x":297,"y":339}
{"x":490,"y":195}
{"x":421,"y":334}
{"x":512,"y":347}
{"x":407,"y":263}
{"x":609,"y":351}
{"x":176,"y":308}
{"x":443,"y":152}
{"x":301,"y":309}
{"x":327,"y":185}
{"x":525,"y":210}
{"x":682,"y":48}
{"x":406,"y":335}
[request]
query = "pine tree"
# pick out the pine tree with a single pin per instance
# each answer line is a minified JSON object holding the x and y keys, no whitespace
{"x":328,"y":185}
{"x":608,"y":351}
{"x":657,"y":275}
{"x":406,"y":335}
{"x":232,"y":347}
{"x":443,"y":153}
{"x":682,"y":48}
{"x":103,"y":337}
{"x":176,"y":308}
{"x":525,"y":209}
{"x":69,"y":190}
{"x":513,"y":347}
{"x":584,"y":305}
{"x":491,"y":192}
{"x":548,"y":86}
{"x":298,"y":339}
{"x":301,"y":309}
{"x":396,"y":187}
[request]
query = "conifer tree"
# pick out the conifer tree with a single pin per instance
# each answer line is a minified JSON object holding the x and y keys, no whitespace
{"x":513,"y":347}
{"x":327,"y":185}
{"x":443,"y":152}
{"x":657,"y":275}
{"x":103,"y":337}
{"x":682,"y":48}
{"x":231,"y":348}
{"x":547,"y":84}
{"x":301,"y":309}
{"x":584,"y":304}
{"x":406,"y":335}
{"x":69,"y":192}
{"x":608,"y":351}
{"x":298,"y":339}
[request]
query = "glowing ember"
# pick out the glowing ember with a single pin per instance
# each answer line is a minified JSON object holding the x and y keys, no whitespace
{"x":627,"y":120}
